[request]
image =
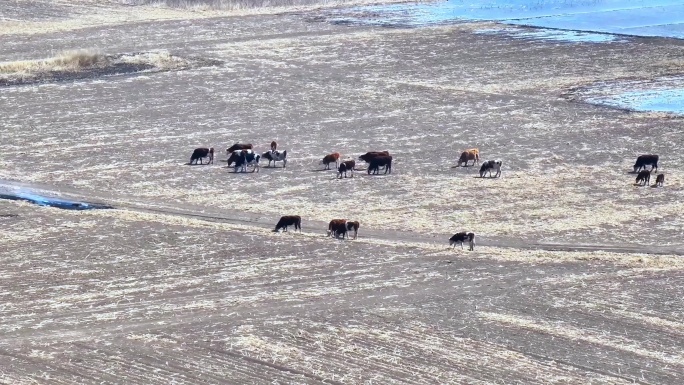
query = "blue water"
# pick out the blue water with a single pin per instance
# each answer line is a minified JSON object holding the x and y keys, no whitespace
{"x":663,"y":100}
{"x":629,"y":17}
{"x":51,"y":201}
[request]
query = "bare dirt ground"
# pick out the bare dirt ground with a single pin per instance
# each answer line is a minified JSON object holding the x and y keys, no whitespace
{"x":151,"y":294}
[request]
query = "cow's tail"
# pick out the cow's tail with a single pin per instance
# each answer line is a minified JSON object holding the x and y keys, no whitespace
{"x":284,"y":154}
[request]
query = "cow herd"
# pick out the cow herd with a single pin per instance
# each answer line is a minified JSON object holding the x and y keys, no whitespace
{"x":243,"y":155}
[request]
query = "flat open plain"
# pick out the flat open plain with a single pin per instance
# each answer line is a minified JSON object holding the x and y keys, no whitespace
{"x":577,"y":278}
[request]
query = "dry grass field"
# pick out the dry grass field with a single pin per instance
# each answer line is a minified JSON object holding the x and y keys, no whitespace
{"x":577,"y":277}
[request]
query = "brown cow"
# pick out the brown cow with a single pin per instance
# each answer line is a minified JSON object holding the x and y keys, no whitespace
{"x":289,"y":220}
{"x":660,"y":179}
{"x":347,"y":165}
{"x":334,"y":157}
{"x":379,"y":161}
{"x":201,"y":153}
{"x":239,"y":146}
{"x":470,"y":154}
{"x":337,"y":227}
{"x":274,"y":145}
{"x":367,"y":157}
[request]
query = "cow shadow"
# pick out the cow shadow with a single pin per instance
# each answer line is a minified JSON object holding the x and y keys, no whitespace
{"x":197,"y":164}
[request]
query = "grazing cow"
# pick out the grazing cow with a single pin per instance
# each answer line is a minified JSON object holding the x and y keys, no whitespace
{"x":201,"y":153}
{"x":490,"y":165}
{"x":274,"y":156}
{"x":645,"y":160}
{"x":337,"y":227}
{"x":342,"y":227}
{"x":274,"y":145}
{"x":470,"y":154}
{"x":289,"y":220}
{"x":347,"y":165}
{"x":379,"y":161}
{"x":462,"y":237}
{"x":243,"y":158}
{"x":367,"y":157}
{"x":644,"y":176}
{"x":660,"y":179}
{"x":238,"y":146}
{"x":353,"y":225}
{"x":334,"y":157}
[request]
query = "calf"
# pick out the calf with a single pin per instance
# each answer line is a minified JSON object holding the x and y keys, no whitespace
{"x":242,"y":158}
{"x":470,"y":154}
{"x":379,"y":161}
{"x":201,"y":153}
{"x":239,"y":146}
{"x":643,"y":176}
{"x":462,"y":237}
{"x":490,"y":165}
{"x":645,"y":160}
{"x":274,"y":145}
{"x":289,"y":220}
{"x":275,"y":156}
{"x":367,"y":157}
{"x":337,"y":227}
{"x":347,"y":165}
{"x":660,"y":179}
{"x":334,"y":157}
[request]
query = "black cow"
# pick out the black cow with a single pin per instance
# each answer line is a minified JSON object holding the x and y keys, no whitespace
{"x":347,"y":165}
{"x":380,"y":161}
{"x":644,"y":176}
{"x":201,"y":153}
{"x":289,"y":220}
{"x":463,"y":237}
{"x":367,"y":157}
{"x":660,"y":180}
{"x":645,"y":160}
{"x":239,"y":146}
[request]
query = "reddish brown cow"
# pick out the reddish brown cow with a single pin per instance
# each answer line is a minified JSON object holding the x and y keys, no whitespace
{"x":337,"y":227}
{"x":334,"y":157}
{"x":274,"y":145}
{"x":239,"y":146}
{"x":470,"y":154}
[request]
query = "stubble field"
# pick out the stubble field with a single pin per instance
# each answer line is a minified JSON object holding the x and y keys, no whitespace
{"x":148,"y":293}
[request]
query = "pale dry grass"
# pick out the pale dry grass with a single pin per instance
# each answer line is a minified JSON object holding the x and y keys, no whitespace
{"x":564,"y":330}
{"x":81,"y":61}
{"x":68,"y":61}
